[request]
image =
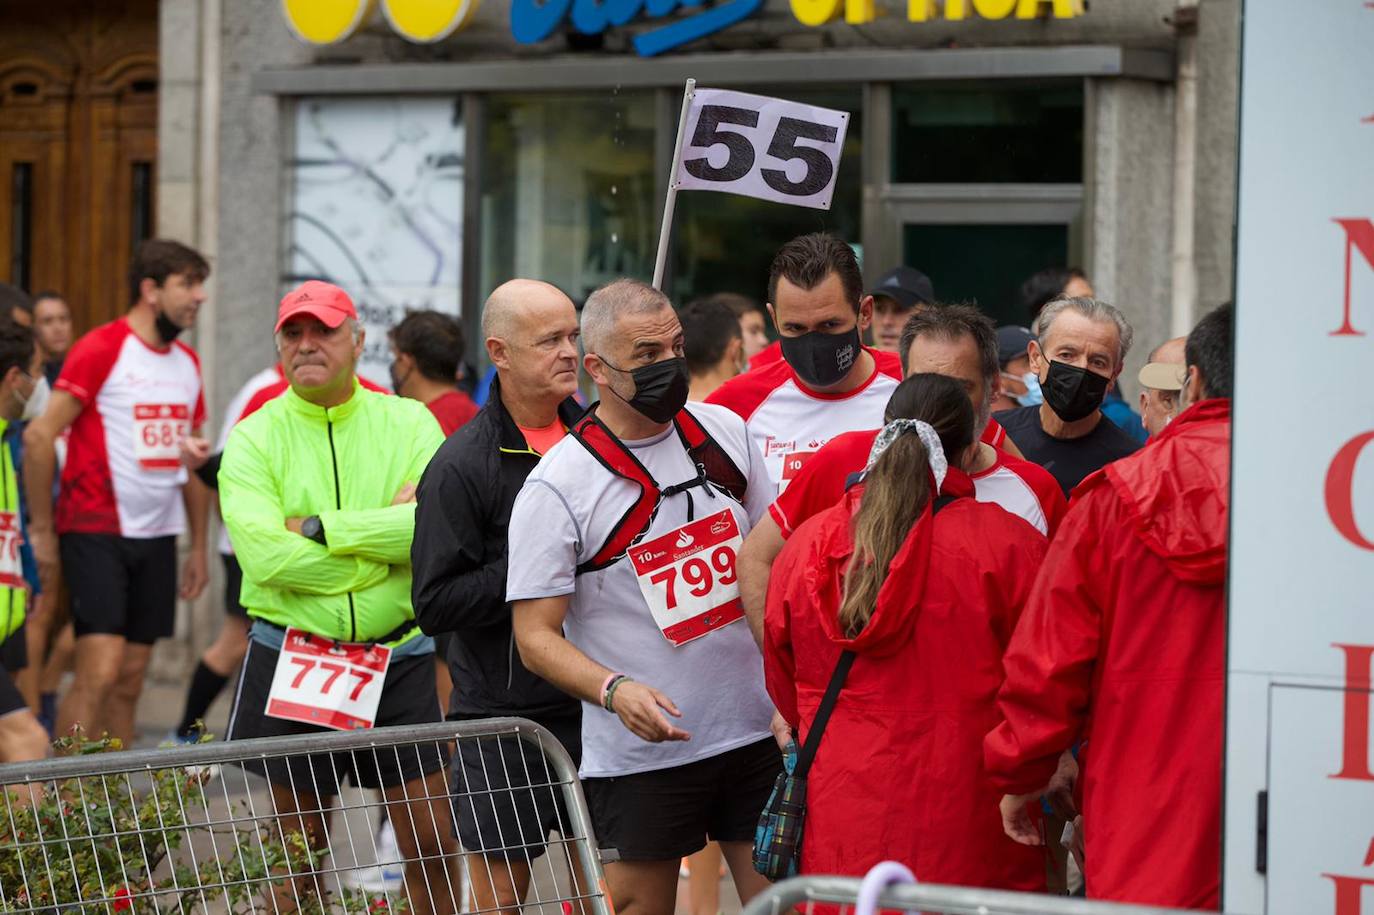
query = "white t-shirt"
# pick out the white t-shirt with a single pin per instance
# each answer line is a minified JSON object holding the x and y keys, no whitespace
{"x":563,"y":516}
{"x":234,"y":412}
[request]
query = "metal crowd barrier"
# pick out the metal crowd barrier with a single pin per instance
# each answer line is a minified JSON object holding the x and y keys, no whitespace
{"x":194,"y":829}
{"x":840,"y":895}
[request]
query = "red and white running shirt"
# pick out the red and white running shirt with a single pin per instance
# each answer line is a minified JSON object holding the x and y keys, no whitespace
{"x":788,"y":422}
{"x":123,"y":473}
{"x":1022,"y":488}
{"x":237,"y":410}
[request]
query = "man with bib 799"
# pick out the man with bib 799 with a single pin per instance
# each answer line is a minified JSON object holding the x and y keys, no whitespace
{"x":625,"y":537}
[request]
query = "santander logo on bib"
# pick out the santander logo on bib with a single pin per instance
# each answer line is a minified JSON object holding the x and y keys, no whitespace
{"x":685,"y":540}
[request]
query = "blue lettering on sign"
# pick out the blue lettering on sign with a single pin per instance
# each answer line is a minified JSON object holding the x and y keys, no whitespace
{"x":532,"y":21}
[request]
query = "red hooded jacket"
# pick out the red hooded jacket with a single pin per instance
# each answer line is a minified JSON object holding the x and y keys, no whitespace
{"x":1123,"y":645}
{"x":899,"y":773}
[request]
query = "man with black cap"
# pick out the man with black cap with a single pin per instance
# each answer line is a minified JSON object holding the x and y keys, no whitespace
{"x":899,"y":293}
{"x":1080,"y":351}
{"x":1020,"y":387}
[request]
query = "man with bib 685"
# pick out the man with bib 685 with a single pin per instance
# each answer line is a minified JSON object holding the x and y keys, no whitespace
{"x":635,"y":520}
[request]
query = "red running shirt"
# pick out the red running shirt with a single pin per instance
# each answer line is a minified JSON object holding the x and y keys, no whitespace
{"x":1022,"y":488}
{"x":123,"y":473}
{"x":452,"y":410}
{"x":788,"y":422}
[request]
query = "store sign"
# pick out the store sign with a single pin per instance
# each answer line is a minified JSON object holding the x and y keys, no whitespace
{"x":861,"y":12}
{"x":1299,"y":828}
{"x":532,"y":21}
{"x":324,"y":22}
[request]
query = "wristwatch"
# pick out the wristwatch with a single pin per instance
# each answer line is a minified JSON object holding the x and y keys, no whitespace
{"x":313,"y":529}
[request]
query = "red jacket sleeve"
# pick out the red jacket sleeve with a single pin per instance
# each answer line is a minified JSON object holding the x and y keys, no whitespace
{"x":1050,"y":662}
{"x":779,"y":663}
{"x":1009,"y":582}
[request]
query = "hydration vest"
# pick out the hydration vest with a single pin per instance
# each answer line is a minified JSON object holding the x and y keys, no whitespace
{"x":714,"y":468}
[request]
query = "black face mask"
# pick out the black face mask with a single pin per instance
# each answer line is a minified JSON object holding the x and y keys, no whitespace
{"x":166,"y":330}
{"x":660,"y":389}
{"x":821,"y":359}
{"x":396,"y":379}
{"x":1073,"y":393}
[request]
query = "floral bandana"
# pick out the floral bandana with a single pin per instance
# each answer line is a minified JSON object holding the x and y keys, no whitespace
{"x":939,"y":466}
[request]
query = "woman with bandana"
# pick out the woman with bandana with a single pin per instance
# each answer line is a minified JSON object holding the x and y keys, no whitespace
{"x":916,"y":587}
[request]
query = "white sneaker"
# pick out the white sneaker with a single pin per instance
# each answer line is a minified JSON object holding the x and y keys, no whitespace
{"x":388,"y":873}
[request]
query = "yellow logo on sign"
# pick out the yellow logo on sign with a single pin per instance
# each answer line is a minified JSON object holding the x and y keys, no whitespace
{"x":859,"y":12}
{"x":325,"y":21}
{"x":428,"y":20}
{"x":330,"y":21}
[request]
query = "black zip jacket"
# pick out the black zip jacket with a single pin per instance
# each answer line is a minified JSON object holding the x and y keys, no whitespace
{"x":458,"y":560}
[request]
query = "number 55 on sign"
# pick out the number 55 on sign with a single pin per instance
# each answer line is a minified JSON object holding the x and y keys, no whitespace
{"x":761,"y":147}
{"x":755,"y":146}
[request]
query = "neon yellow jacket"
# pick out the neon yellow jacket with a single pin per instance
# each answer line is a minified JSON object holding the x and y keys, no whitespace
{"x":13,"y":591}
{"x":293,"y":459}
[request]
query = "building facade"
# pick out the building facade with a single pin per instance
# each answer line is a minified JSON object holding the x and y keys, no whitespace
{"x":980,"y":149}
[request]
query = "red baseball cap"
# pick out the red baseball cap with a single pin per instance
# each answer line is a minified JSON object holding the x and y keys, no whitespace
{"x":319,"y":299}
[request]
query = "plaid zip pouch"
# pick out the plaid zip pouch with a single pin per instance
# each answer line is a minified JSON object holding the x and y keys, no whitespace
{"x":778,"y":838}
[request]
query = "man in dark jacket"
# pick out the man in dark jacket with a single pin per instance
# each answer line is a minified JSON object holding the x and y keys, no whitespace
{"x":459,"y":563}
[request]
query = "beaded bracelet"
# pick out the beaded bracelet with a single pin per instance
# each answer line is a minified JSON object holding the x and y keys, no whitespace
{"x":610,"y":691}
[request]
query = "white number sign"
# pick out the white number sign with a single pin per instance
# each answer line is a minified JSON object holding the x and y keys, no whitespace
{"x":761,"y":147}
{"x":688,"y":577}
{"x":331,"y":684}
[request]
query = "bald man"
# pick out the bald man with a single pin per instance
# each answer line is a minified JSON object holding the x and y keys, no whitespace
{"x":1161,"y":380}
{"x":459,"y":563}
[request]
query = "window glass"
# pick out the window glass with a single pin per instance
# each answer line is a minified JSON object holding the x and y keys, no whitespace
{"x":979,"y":133}
{"x":568,"y":189}
{"x":725,"y":243}
{"x":984,"y":264}
{"x":378,"y":208}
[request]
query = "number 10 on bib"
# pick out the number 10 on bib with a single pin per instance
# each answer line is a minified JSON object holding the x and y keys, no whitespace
{"x":760,"y":147}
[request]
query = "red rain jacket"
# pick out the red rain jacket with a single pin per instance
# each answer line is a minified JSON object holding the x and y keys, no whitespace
{"x":899,"y":772}
{"x":1123,"y":645}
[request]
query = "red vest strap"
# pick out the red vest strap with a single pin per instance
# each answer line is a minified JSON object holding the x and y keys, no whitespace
{"x":612,"y":454}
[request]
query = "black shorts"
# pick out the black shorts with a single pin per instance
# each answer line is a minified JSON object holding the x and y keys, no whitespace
{"x":408,"y":697}
{"x":671,"y":813}
{"x":121,"y":585}
{"x":14,"y":651}
{"x":233,"y":586}
{"x":11,"y":700}
{"x":505,"y":795}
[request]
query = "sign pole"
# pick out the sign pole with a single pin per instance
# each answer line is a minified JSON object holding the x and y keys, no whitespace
{"x":670,"y":202}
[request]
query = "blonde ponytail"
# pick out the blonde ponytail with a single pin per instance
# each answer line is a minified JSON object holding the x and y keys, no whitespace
{"x":896,"y":491}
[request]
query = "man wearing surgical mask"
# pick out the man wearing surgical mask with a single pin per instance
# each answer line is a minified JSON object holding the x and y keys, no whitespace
{"x":827,"y":381}
{"x":1080,"y":350}
{"x":1020,"y":387}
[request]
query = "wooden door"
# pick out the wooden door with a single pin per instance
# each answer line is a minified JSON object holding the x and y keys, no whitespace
{"x":78,"y":147}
